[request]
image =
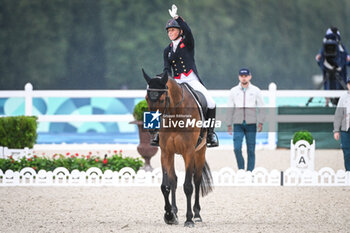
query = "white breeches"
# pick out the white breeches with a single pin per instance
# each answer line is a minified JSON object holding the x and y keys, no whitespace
{"x":193,"y":81}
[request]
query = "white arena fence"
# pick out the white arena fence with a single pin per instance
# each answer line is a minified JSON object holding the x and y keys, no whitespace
{"x":271,"y":94}
{"x":128,"y":177}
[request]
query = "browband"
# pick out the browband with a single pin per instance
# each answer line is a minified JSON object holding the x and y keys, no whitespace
{"x":154,"y":89}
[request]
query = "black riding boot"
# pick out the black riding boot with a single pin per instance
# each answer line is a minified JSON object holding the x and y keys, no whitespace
{"x":155,"y":138}
{"x":212,"y":139}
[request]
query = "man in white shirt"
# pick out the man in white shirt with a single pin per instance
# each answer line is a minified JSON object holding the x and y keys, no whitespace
{"x":342,"y":125}
{"x":244,"y":112}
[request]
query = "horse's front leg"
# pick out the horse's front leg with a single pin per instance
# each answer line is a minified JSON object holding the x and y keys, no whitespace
{"x":168,"y":184}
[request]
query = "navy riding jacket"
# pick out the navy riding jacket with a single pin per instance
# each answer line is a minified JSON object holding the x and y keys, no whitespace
{"x":181,"y":62}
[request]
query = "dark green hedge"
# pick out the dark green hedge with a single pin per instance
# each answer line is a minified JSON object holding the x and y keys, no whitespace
{"x":18,"y":132}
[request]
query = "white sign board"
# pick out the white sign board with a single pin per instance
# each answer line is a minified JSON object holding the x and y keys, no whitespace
{"x":302,"y":155}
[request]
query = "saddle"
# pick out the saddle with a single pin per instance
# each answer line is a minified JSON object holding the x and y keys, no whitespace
{"x":199,"y":98}
{"x":202,"y":107}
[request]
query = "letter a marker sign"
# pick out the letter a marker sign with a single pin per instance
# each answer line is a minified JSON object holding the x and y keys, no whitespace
{"x":302,"y":155}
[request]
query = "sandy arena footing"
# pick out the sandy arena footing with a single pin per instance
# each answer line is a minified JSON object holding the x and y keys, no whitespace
{"x":131,"y":209}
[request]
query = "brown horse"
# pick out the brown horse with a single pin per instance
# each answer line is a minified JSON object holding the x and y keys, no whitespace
{"x":169,"y":98}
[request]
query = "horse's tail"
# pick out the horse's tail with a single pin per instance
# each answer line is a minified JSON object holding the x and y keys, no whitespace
{"x":207,"y":180}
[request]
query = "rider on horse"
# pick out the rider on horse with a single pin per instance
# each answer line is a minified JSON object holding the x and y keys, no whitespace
{"x":179,"y":58}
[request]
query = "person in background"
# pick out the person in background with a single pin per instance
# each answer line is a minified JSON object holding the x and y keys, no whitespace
{"x":333,"y":59}
{"x":342,"y":125}
{"x":244,"y":112}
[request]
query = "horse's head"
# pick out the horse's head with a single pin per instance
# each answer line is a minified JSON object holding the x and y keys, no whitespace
{"x":157,"y":92}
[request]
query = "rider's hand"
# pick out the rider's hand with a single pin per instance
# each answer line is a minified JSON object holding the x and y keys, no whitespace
{"x":173,"y":11}
{"x":318,"y":57}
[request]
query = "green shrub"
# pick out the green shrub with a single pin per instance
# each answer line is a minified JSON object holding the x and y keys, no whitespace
{"x":71,"y":162}
{"x":303,"y":135}
{"x":139,"y":108}
{"x":18,"y":132}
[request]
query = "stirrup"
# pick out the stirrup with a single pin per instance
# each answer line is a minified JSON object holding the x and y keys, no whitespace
{"x":212,"y":140}
{"x":155,"y":140}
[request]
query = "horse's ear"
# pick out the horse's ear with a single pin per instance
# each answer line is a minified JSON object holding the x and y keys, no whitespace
{"x":164,"y":79}
{"x":147,"y":78}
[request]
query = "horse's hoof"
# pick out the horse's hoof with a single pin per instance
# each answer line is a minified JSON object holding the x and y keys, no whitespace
{"x":197,"y":219}
{"x":170,"y":218}
{"x":189,"y":224}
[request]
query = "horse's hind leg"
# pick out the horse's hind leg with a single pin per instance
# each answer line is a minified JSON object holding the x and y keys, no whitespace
{"x":196,"y":207}
{"x":199,"y":164}
{"x":188,"y":188}
{"x":173,"y":186}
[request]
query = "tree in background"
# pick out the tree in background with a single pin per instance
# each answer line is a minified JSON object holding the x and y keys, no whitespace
{"x":33,"y":43}
{"x":88,"y":44}
{"x":85,"y":57}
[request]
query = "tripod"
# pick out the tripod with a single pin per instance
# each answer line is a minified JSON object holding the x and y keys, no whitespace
{"x":329,"y":76}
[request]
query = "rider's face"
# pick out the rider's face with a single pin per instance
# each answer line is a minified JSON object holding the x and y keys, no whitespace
{"x":173,"y":33}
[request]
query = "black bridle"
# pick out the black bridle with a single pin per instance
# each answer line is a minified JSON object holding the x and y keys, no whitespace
{"x":154,"y":95}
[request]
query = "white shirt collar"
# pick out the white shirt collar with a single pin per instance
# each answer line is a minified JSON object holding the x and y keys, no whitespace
{"x":240,"y":85}
{"x":176,"y":43}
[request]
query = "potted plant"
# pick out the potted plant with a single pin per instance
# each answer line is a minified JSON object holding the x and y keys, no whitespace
{"x":144,"y":148}
{"x":303,"y":135}
{"x":303,"y":150}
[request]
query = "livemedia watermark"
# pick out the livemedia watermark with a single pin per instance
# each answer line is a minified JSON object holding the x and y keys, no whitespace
{"x":156,"y":120}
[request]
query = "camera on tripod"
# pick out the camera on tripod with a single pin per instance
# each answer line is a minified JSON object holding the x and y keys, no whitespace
{"x":332,"y":54}
{"x":332,"y":59}
{"x":330,"y":49}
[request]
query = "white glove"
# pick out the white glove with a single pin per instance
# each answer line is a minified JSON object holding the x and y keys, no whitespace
{"x":173,"y":11}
